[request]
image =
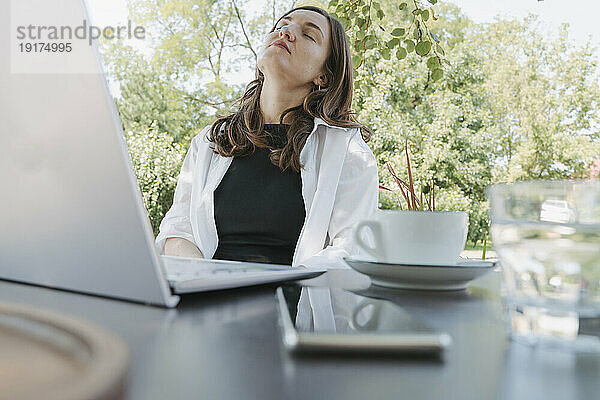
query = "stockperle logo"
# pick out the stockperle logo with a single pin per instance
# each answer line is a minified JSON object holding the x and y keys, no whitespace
{"x":82,"y":31}
{"x":57,"y":37}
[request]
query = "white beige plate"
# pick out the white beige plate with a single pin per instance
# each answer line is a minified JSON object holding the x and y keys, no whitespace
{"x":422,"y":277}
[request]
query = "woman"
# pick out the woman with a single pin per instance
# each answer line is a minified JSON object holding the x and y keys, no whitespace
{"x":283,"y":179}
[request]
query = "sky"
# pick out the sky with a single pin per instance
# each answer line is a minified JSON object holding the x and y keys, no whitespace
{"x":582,"y":16}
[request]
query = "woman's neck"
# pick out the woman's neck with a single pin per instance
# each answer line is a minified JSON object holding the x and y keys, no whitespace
{"x":275,"y":99}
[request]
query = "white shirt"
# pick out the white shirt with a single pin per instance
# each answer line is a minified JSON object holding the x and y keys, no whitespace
{"x":340,"y":187}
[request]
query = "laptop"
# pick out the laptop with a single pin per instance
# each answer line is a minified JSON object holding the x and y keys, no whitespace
{"x":71,"y":212}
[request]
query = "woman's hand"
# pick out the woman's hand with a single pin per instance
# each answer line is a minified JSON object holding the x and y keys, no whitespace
{"x":181,"y":248}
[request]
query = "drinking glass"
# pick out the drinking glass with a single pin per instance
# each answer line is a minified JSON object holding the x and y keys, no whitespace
{"x":547,"y":236}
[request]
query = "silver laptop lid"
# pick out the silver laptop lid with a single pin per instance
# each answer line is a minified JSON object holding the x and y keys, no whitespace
{"x":71,"y":213}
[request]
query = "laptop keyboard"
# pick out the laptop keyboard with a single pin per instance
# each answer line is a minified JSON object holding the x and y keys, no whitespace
{"x":181,"y":269}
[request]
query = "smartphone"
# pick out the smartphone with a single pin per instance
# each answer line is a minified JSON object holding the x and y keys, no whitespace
{"x":321,"y":319}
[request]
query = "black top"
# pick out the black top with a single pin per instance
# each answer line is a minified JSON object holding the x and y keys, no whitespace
{"x":259,"y":209}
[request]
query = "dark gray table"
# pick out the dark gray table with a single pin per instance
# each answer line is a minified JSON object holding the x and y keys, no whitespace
{"x":226,"y":345}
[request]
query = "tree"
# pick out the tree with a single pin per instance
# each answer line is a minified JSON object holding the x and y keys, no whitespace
{"x":513,"y":105}
{"x":544,"y":100}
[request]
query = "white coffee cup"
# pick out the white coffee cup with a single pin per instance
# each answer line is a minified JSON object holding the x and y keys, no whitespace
{"x":415,"y":237}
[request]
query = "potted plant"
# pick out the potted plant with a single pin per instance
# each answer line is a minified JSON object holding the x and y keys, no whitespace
{"x":413,"y":202}
{"x":418,"y":234}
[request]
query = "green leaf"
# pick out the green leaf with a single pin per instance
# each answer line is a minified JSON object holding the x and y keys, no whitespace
{"x":425,"y":15}
{"x":432,"y":1}
{"x":401,"y":53}
{"x":370,"y":41}
{"x":437,"y":74}
{"x":398,"y":32}
{"x":403,"y":6}
{"x":358,"y":45}
{"x":410,"y":45}
{"x":423,"y":48}
{"x":380,"y":14}
{"x":365,"y":10}
{"x":385,"y":53}
{"x":433,"y":63}
{"x":439,"y":49}
{"x":356,"y":61}
{"x":393,"y":43}
{"x":376,"y":5}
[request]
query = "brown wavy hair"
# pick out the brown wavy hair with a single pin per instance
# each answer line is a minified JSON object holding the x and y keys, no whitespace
{"x":240,"y":133}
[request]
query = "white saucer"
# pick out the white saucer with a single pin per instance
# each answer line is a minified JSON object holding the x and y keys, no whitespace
{"x":423,"y":277}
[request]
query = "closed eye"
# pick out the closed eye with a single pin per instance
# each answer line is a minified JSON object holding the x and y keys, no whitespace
{"x":311,"y":38}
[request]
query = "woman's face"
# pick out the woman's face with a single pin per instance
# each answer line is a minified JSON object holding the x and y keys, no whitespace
{"x":296,"y":51}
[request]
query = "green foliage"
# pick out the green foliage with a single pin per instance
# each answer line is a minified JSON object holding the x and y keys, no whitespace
{"x":372,"y":29}
{"x":544,"y":99}
{"x":179,"y":82}
{"x":146,"y":99}
{"x":156,"y":160}
{"x":513,"y":105}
